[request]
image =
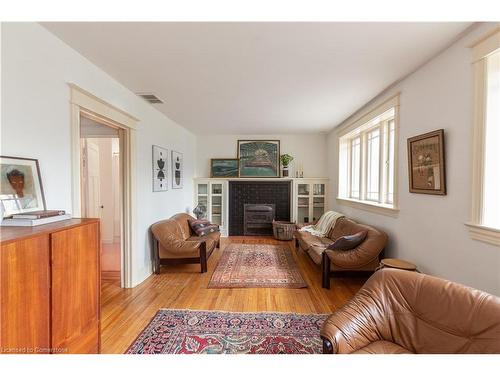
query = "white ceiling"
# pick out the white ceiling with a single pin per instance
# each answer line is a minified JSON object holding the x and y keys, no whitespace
{"x":258,"y":78}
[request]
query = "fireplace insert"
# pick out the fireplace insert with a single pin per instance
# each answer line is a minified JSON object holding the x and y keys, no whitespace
{"x":258,"y":219}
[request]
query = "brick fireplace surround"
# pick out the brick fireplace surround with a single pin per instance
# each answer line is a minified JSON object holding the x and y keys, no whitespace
{"x":257,"y":192}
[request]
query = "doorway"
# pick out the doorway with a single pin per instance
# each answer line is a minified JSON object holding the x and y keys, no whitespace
{"x":101,"y":188}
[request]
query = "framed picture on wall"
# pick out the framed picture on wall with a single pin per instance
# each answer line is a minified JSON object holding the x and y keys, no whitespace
{"x":224,"y":168}
{"x":160,"y":168}
{"x":426,"y":163}
{"x":21,"y":187}
{"x":177,"y":170}
{"x":259,"y":158}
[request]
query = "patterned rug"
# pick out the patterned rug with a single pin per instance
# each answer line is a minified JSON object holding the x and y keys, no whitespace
{"x":256,"y":266}
{"x":217,"y":332}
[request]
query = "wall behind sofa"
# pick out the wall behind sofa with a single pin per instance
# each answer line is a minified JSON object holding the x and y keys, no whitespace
{"x":429,"y":229}
{"x":307,"y":149}
{"x":36,"y":67}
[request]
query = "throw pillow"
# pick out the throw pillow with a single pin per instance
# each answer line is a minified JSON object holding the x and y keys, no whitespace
{"x":348,"y":242}
{"x":203,"y":227}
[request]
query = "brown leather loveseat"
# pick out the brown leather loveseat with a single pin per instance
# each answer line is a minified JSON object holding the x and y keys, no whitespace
{"x":364,"y":257}
{"x":400,"y":311}
{"x":174,"y":242}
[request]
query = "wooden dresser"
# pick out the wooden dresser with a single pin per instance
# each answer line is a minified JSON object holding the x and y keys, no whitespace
{"x":50,"y":288}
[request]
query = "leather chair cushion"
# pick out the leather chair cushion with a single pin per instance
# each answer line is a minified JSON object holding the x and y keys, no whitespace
{"x":313,"y":245}
{"x":182,"y":220}
{"x":211,"y":240}
{"x":382,"y":347}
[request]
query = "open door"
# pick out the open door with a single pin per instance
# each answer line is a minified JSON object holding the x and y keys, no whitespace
{"x":101,"y":190}
{"x":91,"y":179}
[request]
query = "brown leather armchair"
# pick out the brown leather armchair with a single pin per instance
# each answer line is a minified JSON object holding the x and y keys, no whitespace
{"x":400,"y":311}
{"x":174,"y":242}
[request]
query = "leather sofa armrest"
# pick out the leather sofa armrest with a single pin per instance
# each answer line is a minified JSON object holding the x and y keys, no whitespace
{"x":354,"y":326}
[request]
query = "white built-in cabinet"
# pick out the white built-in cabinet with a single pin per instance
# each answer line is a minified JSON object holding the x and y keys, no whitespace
{"x":309,"y":199}
{"x":213,"y":195}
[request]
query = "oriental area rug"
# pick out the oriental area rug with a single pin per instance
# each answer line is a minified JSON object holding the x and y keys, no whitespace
{"x":217,"y":332}
{"x":256,"y":266}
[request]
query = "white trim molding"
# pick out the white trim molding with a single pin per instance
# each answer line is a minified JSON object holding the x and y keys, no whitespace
{"x":374,"y":110}
{"x":483,"y":233}
{"x":83,"y":102}
{"x":481,"y":49}
{"x":376,"y":208}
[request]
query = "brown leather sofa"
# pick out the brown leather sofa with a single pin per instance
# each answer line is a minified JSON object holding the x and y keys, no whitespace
{"x":174,"y":242}
{"x":364,"y":257}
{"x":399,"y":311}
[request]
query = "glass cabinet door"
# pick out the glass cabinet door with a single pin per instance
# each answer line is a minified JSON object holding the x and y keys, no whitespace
{"x":303,"y":189}
{"x":319,"y":189}
{"x":216,"y":203}
{"x":303,"y":203}
{"x":318,"y":201}
{"x":202,"y":196}
{"x":318,"y":207}
{"x":303,"y":210}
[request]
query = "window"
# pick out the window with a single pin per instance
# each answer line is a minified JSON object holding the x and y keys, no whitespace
{"x":485,"y":220}
{"x":367,"y":158}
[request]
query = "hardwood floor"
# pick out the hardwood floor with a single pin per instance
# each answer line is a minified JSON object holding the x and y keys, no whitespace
{"x":110,"y":261}
{"x":125,"y":312}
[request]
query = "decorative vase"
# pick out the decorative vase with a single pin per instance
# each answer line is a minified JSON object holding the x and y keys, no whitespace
{"x":285,"y":171}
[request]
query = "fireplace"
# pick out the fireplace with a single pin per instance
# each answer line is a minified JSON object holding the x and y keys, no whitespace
{"x":258,"y":219}
{"x":251,"y":192}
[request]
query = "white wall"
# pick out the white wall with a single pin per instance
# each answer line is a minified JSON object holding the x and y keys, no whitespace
{"x":307,"y":149}
{"x":36,"y":67}
{"x":430,"y":229}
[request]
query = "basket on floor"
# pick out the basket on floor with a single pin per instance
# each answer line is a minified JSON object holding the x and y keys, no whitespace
{"x":283,"y":230}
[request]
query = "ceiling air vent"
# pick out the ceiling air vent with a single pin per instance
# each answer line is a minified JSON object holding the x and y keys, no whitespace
{"x":150,"y":98}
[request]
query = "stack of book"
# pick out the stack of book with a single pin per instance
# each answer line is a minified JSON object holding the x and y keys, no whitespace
{"x":31,"y":219}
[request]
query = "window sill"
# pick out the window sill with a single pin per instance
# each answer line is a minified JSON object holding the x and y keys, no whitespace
{"x":377,"y":208}
{"x":485,"y":234}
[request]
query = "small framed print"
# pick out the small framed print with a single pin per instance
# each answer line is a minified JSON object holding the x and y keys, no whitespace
{"x":160,"y":168}
{"x":224,"y":168}
{"x":426,"y":163}
{"x":21,"y":187}
{"x":177,"y":170}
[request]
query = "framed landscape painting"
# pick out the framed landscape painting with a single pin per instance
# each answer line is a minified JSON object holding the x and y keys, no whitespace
{"x":224,"y":168}
{"x":426,"y":168}
{"x":259,"y":158}
{"x":20,"y":186}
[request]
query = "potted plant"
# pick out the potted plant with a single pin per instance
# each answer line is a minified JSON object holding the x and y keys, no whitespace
{"x":285,"y":162}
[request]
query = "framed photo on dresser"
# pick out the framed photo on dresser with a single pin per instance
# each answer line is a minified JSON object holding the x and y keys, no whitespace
{"x":21,"y":187}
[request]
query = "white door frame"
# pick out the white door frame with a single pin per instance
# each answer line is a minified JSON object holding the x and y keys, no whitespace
{"x":82,"y":101}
